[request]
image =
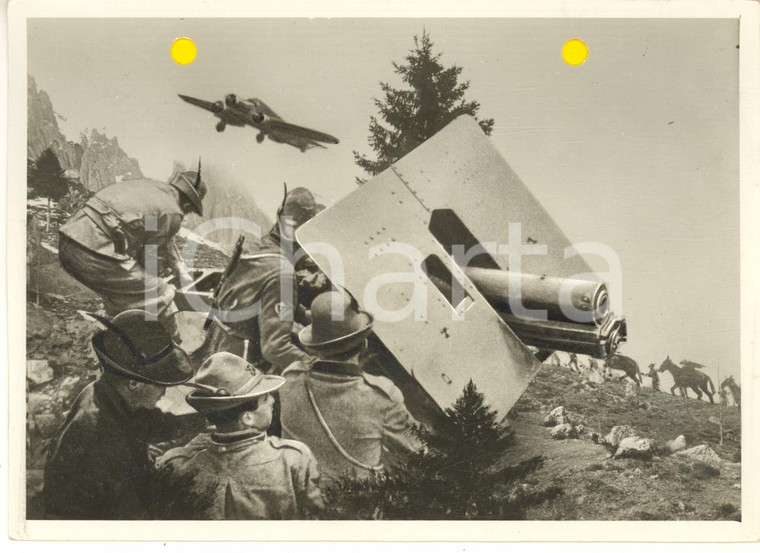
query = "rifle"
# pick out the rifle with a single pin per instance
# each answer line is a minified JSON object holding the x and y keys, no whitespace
{"x":236,"y":253}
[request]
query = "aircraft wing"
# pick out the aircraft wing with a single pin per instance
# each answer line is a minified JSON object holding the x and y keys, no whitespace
{"x":308,"y":145}
{"x":283,"y":127}
{"x":262,"y":107}
{"x":200,"y":103}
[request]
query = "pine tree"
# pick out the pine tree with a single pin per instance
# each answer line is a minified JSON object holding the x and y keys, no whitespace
{"x":452,"y":478}
{"x":433,"y":99}
{"x":46,"y":178}
{"x":175,"y":495}
{"x":473,"y":437}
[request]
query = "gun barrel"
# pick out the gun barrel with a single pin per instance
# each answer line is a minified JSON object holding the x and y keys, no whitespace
{"x":596,"y":341}
{"x":563,"y":299}
{"x":578,"y":318}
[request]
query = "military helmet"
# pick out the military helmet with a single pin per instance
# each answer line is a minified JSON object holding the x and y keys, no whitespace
{"x":300,"y":205}
{"x":192,"y":185}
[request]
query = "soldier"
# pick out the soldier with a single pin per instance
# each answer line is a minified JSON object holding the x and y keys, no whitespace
{"x":103,"y":245}
{"x":355,"y":423}
{"x":265,"y":279}
{"x":574,"y":363}
{"x":655,"y":378}
{"x":254,"y":476}
{"x":264,"y":282}
{"x":98,"y":466}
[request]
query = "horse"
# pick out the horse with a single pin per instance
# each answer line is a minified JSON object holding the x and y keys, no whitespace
{"x":625,"y":364}
{"x":734,"y":388}
{"x":687,"y":377}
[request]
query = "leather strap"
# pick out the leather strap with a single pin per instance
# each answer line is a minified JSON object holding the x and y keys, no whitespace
{"x":345,"y":454}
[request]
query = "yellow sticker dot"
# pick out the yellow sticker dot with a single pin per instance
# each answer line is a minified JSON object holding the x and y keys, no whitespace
{"x":183,"y":51}
{"x":574,"y":52}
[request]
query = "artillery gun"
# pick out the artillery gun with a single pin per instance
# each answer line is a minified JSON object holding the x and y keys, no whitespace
{"x":444,"y":222}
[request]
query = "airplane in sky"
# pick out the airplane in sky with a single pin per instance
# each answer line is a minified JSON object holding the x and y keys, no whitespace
{"x":254,"y":112}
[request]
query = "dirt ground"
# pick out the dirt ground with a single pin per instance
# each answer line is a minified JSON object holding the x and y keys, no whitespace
{"x":595,"y":486}
{"x":599,"y":487}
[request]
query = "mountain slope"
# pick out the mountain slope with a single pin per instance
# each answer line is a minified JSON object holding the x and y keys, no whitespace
{"x":96,"y":160}
{"x":597,"y":486}
{"x":227,"y":200}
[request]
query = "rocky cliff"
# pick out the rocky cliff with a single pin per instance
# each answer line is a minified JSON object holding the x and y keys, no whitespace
{"x":96,"y":160}
{"x":103,"y":162}
{"x":42,"y":125}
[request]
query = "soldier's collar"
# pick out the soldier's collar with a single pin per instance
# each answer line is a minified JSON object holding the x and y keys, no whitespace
{"x":337,"y":367}
{"x":273,"y":236}
{"x":110,"y":395}
{"x":227,"y":438}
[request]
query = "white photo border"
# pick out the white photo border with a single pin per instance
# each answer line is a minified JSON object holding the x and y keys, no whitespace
{"x":746,"y":11}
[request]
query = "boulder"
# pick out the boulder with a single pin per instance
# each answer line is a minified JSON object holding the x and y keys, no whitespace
{"x":678,"y":444}
{"x":632,"y":389}
{"x":618,"y":433}
{"x":556,"y":417}
{"x":701,"y":453}
{"x":39,"y":371}
{"x":38,"y":403}
{"x":47,"y":424}
{"x":635,"y":447}
{"x":596,"y":377}
{"x":563,"y":431}
{"x":69,"y":388}
{"x":35,"y":479}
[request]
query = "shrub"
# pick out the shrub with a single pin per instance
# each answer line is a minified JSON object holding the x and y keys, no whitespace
{"x":453,"y":478}
{"x":703,"y":471}
{"x":74,"y":199}
{"x":176,"y":496}
{"x":727,"y":511}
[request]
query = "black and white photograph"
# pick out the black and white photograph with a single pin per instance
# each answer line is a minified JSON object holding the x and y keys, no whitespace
{"x":375,"y":269}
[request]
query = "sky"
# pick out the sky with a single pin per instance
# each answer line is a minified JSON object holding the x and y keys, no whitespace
{"x":638,"y":148}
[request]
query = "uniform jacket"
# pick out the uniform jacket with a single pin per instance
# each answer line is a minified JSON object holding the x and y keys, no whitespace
{"x":98,"y":465}
{"x":254,"y":476}
{"x":365,"y":413}
{"x":264,"y":279}
{"x":121,"y":219}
